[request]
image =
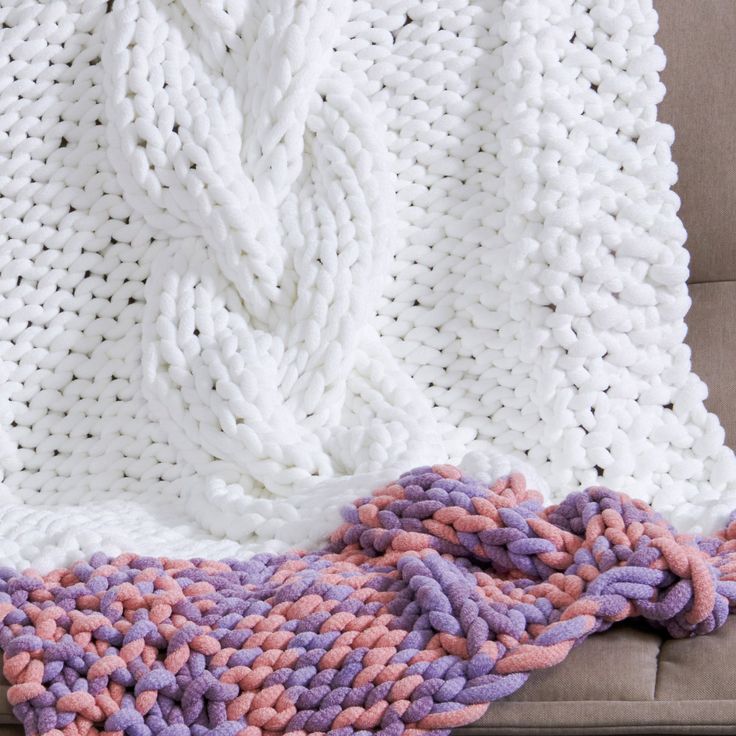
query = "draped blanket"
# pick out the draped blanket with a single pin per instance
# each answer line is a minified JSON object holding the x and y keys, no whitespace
{"x":258,"y":256}
{"x":436,"y":596}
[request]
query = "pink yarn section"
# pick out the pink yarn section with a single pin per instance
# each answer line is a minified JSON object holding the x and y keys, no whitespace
{"x":436,"y":597}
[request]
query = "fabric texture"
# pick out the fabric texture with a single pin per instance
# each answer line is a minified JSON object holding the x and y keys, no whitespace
{"x":699,"y":105}
{"x":712,"y":337}
{"x":436,"y":597}
{"x":257,"y":256}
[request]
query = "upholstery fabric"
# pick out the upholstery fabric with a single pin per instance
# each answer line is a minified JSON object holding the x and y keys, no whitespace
{"x":712,"y":337}
{"x":697,"y":38}
{"x":701,"y":97}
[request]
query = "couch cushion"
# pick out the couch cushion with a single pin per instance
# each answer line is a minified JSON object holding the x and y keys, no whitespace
{"x":712,"y":339}
{"x":606,"y":718}
{"x":630,"y":676}
{"x":705,"y":659}
{"x":628,"y":680}
{"x":697,"y":38}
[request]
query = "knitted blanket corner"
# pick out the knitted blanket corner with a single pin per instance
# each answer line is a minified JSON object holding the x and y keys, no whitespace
{"x":437,"y":596}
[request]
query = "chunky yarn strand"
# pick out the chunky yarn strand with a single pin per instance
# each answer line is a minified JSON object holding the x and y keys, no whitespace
{"x":437,"y":596}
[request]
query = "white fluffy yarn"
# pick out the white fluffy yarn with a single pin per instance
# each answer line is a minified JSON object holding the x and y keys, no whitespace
{"x":258,"y":256}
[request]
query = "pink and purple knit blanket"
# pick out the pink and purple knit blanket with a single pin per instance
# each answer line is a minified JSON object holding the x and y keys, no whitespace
{"x":436,"y":597}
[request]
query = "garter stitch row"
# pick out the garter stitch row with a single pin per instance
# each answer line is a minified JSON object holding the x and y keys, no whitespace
{"x":437,"y":596}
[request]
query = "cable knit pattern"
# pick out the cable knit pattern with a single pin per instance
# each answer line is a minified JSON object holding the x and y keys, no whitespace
{"x":437,"y":596}
{"x":256,"y":255}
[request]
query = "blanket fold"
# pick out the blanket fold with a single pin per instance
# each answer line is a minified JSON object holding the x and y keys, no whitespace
{"x":437,"y":596}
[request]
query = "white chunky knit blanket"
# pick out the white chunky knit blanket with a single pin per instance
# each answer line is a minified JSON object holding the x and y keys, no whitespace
{"x":256,"y":255}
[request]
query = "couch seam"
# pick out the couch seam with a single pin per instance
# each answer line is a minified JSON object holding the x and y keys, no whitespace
{"x":617,"y":701}
{"x":708,"y":283}
{"x":660,"y":645}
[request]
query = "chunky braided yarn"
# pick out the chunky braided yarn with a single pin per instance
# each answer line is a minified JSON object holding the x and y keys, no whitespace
{"x":249,"y":250}
{"x":437,"y":596}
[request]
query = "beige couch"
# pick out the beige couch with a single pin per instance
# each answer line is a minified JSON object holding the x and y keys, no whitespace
{"x":631,"y":680}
